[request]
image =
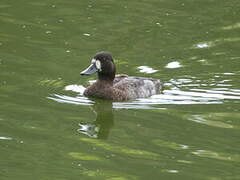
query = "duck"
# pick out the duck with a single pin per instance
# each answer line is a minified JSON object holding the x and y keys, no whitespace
{"x":119,"y":87}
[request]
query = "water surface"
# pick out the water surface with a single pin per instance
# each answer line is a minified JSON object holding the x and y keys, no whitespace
{"x":49,"y":130}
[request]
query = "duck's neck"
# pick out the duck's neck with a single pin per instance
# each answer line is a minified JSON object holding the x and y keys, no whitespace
{"x":105,"y":82}
{"x":108,"y":80}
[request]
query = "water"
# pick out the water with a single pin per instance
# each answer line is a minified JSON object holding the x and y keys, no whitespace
{"x":49,"y":130}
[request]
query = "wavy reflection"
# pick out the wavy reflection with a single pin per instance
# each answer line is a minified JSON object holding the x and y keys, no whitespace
{"x":100,"y":127}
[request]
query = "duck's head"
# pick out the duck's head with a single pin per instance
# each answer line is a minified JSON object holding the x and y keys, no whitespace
{"x":103,"y":64}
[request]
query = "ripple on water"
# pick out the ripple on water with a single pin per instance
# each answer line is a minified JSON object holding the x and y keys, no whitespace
{"x":210,"y":44}
{"x":217,"y":155}
{"x":173,"y":65}
{"x":71,"y":100}
{"x":172,"y":96}
{"x":209,"y":120}
{"x":147,"y":69}
{"x":5,"y":138}
{"x":233,"y":26}
{"x":170,"y":171}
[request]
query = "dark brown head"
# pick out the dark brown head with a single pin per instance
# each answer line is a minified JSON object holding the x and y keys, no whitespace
{"x":103,"y":64}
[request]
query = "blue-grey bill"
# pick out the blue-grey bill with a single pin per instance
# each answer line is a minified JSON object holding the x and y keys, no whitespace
{"x":90,"y":70}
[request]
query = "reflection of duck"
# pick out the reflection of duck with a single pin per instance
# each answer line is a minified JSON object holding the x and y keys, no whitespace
{"x":100,"y":128}
{"x":120,"y":87}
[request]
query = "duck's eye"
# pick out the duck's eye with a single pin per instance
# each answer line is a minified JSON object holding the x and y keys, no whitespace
{"x":98,"y":65}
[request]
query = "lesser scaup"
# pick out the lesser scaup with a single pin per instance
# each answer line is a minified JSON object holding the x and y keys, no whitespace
{"x":117,"y":87}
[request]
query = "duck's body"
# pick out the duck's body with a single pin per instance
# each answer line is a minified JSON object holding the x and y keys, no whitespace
{"x":119,"y":87}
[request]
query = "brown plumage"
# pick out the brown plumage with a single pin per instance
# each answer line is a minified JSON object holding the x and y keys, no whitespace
{"x":120,"y":87}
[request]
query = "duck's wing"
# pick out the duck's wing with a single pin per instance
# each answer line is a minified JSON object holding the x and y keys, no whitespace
{"x":139,"y":87}
{"x":119,"y":77}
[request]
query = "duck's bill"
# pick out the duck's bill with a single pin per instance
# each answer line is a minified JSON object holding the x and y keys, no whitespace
{"x":90,"y":70}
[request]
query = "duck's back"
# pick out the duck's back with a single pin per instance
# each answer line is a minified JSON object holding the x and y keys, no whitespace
{"x":138,"y":87}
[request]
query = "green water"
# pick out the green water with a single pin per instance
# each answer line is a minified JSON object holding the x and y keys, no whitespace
{"x":49,"y":131}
